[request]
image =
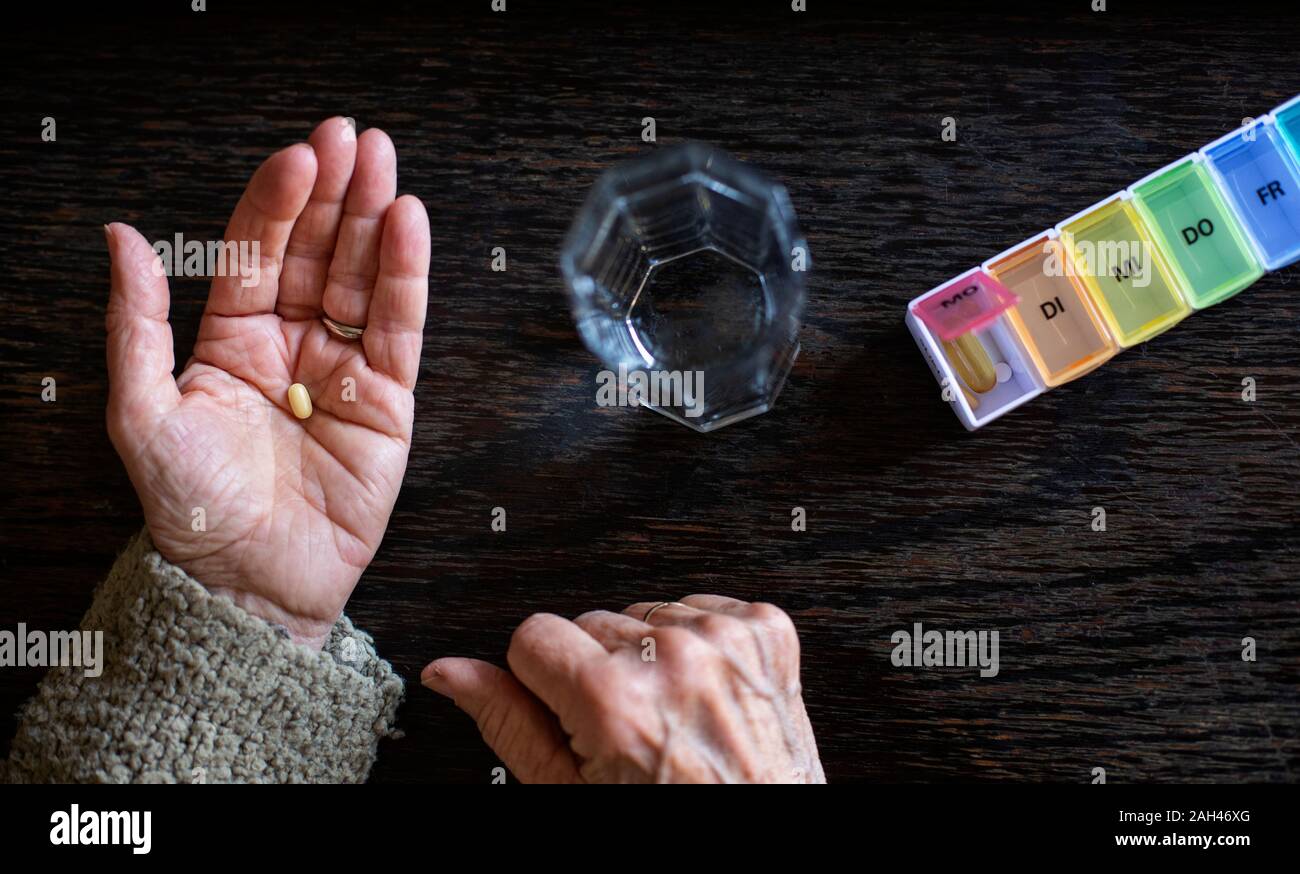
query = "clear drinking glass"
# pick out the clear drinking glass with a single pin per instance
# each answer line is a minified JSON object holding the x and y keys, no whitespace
{"x":686,"y":262}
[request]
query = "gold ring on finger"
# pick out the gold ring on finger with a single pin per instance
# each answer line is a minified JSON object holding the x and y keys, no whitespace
{"x":342,"y":331}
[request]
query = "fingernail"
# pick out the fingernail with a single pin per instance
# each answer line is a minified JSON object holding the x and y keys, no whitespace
{"x":349,"y":129}
{"x":432,"y":678}
{"x":108,"y":236}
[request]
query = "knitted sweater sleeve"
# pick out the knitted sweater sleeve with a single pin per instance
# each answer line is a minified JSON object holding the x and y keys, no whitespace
{"x":194,"y":689}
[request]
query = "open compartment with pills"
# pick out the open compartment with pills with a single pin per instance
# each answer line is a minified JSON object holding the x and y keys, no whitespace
{"x":977,"y":357}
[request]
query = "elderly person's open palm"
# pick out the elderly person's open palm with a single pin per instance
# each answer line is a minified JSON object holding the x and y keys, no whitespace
{"x":281,"y":514}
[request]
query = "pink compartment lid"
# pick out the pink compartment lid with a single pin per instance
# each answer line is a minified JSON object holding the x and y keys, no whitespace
{"x":965,"y":304}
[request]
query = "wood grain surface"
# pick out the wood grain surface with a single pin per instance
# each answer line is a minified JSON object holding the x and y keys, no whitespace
{"x":1119,"y":649}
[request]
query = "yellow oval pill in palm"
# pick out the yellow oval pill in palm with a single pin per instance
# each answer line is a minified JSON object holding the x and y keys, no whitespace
{"x":299,"y":400}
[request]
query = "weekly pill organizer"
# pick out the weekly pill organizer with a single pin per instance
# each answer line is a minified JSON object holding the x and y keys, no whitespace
{"x":1062,"y":303}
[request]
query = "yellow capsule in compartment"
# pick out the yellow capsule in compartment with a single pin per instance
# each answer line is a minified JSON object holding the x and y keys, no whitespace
{"x":300,"y":400}
{"x":971,"y":363}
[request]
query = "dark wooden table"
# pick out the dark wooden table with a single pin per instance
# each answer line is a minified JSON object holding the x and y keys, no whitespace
{"x":1119,"y":649}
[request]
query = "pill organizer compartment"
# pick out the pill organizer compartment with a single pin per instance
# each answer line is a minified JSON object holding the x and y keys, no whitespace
{"x":1100,"y":243}
{"x":1287,"y":118}
{"x":1055,"y":319}
{"x":1015,"y":379}
{"x":1206,"y":245}
{"x":1261,"y":177}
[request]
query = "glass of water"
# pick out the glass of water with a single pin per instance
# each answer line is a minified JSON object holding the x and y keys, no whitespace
{"x":685,"y":272}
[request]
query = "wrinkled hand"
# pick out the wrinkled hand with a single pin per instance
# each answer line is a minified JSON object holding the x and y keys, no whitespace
{"x":706,"y":692}
{"x":291,"y":511}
